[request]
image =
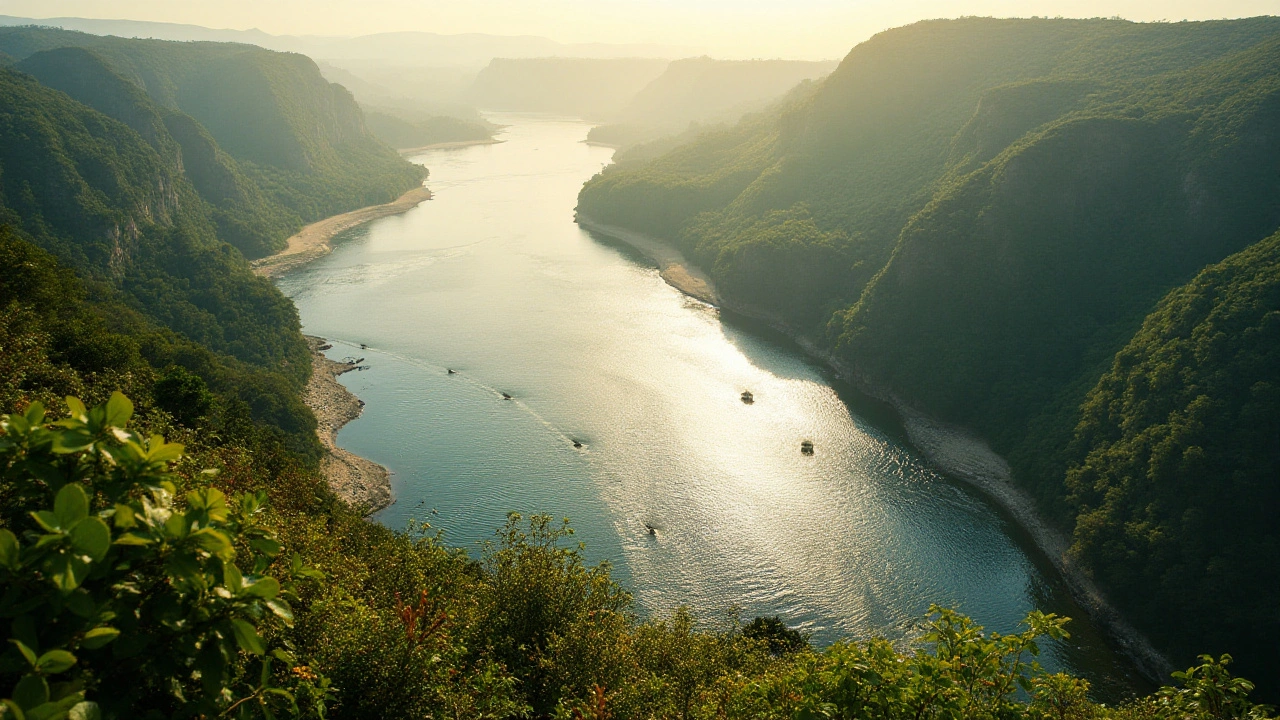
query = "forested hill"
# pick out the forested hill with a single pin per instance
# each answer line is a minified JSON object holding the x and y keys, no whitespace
{"x":266,"y":141}
{"x":979,"y":214}
{"x":112,"y":159}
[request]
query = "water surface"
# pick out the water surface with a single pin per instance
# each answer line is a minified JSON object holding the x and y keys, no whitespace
{"x":493,"y":279}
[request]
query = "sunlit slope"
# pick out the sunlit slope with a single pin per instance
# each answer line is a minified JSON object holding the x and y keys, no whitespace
{"x":844,"y":171}
{"x":979,"y":214}
{"x":274,"y":123}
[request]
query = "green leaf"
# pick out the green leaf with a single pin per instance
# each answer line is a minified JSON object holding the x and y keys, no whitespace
{"x":266,"y":546}
{"x":247,"y":637}
{"x":9,"y":550}
{"x":92,"y":537}
{"x":32,"y":692}
{"x":66,"y":571}
{"x":99,"y":637}
{"x":232,"y":578}
{"x":46,"y":520}
{"x":72,"y":441}
{"x":84,"y":711}
{"x":119,"y":410}
{"x":215,"y":541}
{"x":55,"y":661}
{"x":75,"y":408}
{"x":266,"y":588}
{"x":176,"y":526}
{"x":133,"y":539}
{"x":27,"y":652}
{"x":124,"y":517}
{"x":71,"y":505}
{"x":282,"y":610}
{"x":13,"y":709}
{"x":160,"y":451}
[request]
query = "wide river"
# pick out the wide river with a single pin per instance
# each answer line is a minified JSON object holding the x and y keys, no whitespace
{"x":493,"y":279}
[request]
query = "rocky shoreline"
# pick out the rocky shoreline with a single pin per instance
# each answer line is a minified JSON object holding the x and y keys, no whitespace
{"x":954,"y":450}
{"x":359,"y":482}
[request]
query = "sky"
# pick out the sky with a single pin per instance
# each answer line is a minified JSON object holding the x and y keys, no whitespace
{"x":802,"y":29}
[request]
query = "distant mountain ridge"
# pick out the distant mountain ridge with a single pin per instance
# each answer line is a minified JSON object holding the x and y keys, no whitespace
{"x":400,"y":48}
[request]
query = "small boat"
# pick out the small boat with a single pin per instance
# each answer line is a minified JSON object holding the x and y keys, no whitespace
{"x":363,"y":346}
{"x":747,"y":397}
{"x":806,"y":447}
{"x":506,"y":396}
{"x":451,"y":371}
{"x":577,"y":443}
{"x":652,"y":530}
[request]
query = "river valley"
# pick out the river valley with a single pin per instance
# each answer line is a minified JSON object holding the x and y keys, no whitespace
{"x":492,"y":279}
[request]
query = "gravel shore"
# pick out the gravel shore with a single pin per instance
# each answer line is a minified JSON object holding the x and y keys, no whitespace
{"x":356,"y":481}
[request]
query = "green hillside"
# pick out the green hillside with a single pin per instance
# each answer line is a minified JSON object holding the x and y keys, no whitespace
{"x":1194,"y":396}
{"x":266,"y":140}
{"x":979,"y":214}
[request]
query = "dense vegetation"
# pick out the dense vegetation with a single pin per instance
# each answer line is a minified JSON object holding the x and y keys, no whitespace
{"x":979,"y":214}
{"x":265,"y":141}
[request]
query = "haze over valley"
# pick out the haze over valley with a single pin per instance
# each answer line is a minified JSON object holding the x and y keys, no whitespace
{"x":640,"y":360}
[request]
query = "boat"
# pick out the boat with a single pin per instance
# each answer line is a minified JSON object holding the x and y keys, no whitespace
{"x":506,"y":396}
{"x":747,"y":397}
{"x":451,"y":371}
{"x":806,"y":447}
{"x":652,"y":530}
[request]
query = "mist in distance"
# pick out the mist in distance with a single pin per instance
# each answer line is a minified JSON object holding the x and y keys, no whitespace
{"x":739,"y":29}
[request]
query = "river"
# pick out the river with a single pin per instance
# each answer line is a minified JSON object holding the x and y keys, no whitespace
{"x":493,"y":279}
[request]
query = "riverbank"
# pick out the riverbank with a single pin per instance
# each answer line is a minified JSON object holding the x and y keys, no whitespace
{"x":313,"y":240}
{"x":674,"y":268}
{"x":448,"y":145}
{"x":355,"y":480}
{"x":955,"y":451}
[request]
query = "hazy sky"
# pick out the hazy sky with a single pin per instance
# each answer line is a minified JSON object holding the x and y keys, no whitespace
{"x":725,"y":28}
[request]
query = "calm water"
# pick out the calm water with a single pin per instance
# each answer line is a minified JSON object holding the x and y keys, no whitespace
{"x":493,"y":279}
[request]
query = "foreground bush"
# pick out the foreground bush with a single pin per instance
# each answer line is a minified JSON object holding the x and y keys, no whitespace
{"x":132,"y":586}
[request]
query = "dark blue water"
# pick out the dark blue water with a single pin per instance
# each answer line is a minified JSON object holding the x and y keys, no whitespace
{"x":493,"y":279}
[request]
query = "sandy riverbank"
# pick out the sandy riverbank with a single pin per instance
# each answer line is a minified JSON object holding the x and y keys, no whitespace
{"x":355,"y":480}
{"x":313,"y":240}
{"x":448,"y":145}
{"x":954,"y":450}
{"x":672,"y":264}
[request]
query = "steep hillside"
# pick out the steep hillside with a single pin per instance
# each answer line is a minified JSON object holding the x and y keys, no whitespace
{"x":298,"y":138}
{"x":94,"y":193}
{"x":978,"y":214}
{"x":1174,"y":464}
{"x":704,"y":91}
{"x":245,"y":216}
{"x":569,"y":86}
